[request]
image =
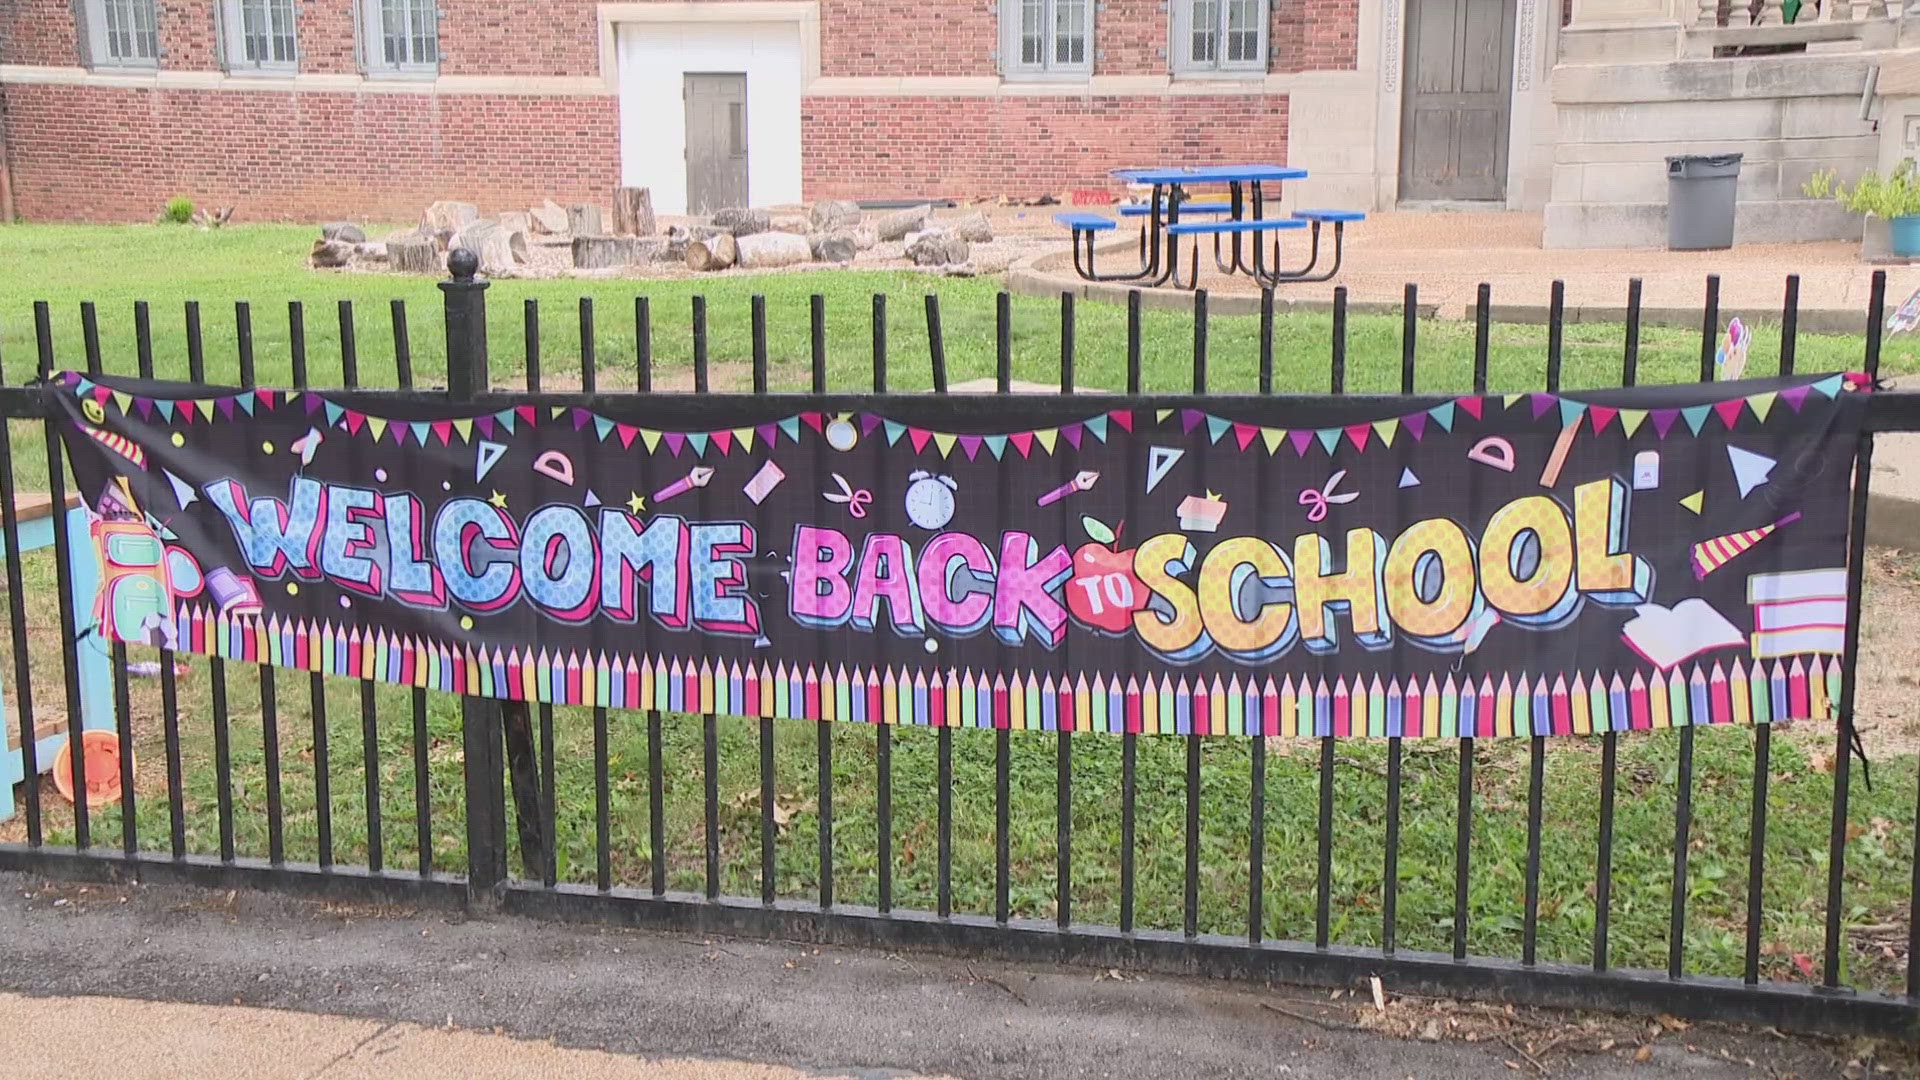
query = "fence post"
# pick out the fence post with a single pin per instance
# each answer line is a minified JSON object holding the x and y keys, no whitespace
{"x":466,"y":327}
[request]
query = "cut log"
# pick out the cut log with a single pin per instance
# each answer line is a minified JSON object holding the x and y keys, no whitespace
{"x":453,"y":216}
{"x":583,"y":219}
{"x":973,"y":228}
{"x":515,"y":220}
{"x":834,"y":215}
{"x":743,"y":220}
{"x":370,"y":251}
{"x":771,"y":249}
{"x":549,"y":218}
{"x":833,"y":247}
{"x":412,"y":253}
{"x":601,"y":252}
{"x":633,"y":212}
{"x":330,"y":254}
{"x":500,"y":249}
{"x":897,"y":225}
{"x":713,"y":253}
{"x":343,"y":230}
{"x":937,"y":247}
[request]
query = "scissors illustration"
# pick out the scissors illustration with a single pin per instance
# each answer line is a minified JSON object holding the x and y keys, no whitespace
{"x":1320,"y":500}
{"x":856,"y":502}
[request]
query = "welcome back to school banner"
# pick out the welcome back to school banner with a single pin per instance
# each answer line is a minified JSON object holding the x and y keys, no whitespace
{"x":1483,"y":566}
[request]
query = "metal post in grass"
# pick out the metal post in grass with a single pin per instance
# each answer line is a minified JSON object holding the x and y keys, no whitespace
{"x":480,"y":722}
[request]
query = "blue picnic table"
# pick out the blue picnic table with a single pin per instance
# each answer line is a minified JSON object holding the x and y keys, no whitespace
{"x":1237,"y":226}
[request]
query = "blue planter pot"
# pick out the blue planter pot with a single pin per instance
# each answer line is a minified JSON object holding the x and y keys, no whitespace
{"x":1904,"y":233}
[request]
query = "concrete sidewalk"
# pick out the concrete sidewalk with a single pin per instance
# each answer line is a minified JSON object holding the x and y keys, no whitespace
{"x":1450,"y":254}
{"x":135,"y":1040}
{"x":404,"y":975}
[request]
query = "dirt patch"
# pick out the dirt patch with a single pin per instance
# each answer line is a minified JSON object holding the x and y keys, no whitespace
{"x":1889,"y":665}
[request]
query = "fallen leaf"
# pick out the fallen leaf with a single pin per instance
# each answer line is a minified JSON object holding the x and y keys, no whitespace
{"x":1645,"y":1053}
{"x":1672,"y":1023}
{"x":1804,"y":963}
{"x":1379,"y":993}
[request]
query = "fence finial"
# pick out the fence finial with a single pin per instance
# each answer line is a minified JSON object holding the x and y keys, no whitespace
{"x":463,"y":264}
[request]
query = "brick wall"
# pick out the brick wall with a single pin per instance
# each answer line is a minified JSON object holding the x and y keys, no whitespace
{"x":99,"y":153}
{"x":306,"y":156}
{"x":924,"y":146}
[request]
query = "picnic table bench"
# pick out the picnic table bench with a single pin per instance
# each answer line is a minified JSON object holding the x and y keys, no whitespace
{"x":1238,"y":239}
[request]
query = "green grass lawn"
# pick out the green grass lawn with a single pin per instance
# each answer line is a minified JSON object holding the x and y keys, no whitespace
{"x":115,"y":266}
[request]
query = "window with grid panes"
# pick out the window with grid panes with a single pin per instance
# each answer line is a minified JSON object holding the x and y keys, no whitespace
{"x":401,"y":36}
{"x":1219,"y":35}
{"x":1040,"y":38}
{"x":259,"y":35}
{"x":122,"y":33}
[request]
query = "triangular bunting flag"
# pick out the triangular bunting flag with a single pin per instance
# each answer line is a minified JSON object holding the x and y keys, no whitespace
{"x":1470,"y":405}
{"x":697,"y":440}
{"x":791,"y":425}
{"x":1071,"y":433}
{"x":421,"y":430}
{"x":507,"y":419}
{"x":1795,"y":396}
{"x":1695,"y":416}
{"x":1830,"y":386}
{"x":1123,"y":417}
{"x":1301,"y":440}
{"x":1602,"y":416}
{"x":1160,"y":415}
{"x":1442,"y":415}
{"x":1216,"y":427}
{"x":378,"y":426}
{"x":918,"y":437}
{"x":723,"y":440}
{"x":462,"y":427}
{"x":744,"y":436}
{"x":650,"y":439}
{"x":675,"y":441}
{"x":627,"y":433}
{"x":1046,"y":438}
{"x":1663,"y":421}
{"x":602,"y":427}
{"x":895,"y":429}
{"x":1729,"y":411}
{"x":1359,"y":433}
{"x":1329,"y":438}
{"x":1022,"y":442}
{"x":1244,"y":434}
{"x":1416,"y":425}
{"x":1571,"y":412}
{"x":525,"y":412}
{"x":997,"y":444}
{"x":814,"y":420}
{"x":334,"y":412}
{"x":1631,"y":419}
{"x":442,"y":430}
{"x":1386,"y":430}
{"x":166,"y":408}
{"x":1762,"y":404}
{"x":1097,"y":427}
{"x":205,"y":406}
{"x":122,"y":399}
{"x":944,"y":441}
{"x":1272,"y":437}
{"x":245,"y":401}
{"x":971,"y":444}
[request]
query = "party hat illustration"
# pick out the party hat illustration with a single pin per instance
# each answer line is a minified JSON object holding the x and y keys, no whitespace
{"x":1711,"y":555}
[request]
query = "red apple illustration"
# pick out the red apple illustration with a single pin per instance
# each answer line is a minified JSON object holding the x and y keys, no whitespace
{"x":1103,"y":592}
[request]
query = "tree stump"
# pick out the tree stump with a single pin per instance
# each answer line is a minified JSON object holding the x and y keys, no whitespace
{"x":603,"y":252}
{"x":834,"y":215}
{"x":343,"y":230}
{"x":412,"y":253}
{"x":330,"y":254}
{"x":834,"y":247}
{"x":937,"y":247}
{"x":743,"y":221}
{"x":764,"y":251}
{"x":501,"y":250}
{"x":897,"y":225}
{"x":549,"y":218}
{"x":633,"y":212}
{"x":446,"y":216}
{"x":713,"y":253}
{"x":974,"y":228}
{"x":583,"y":219}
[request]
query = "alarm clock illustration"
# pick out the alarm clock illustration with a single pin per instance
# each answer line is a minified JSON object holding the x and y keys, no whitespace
{"x":930,"y":500}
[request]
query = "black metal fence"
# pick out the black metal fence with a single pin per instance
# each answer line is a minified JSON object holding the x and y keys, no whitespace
{"x":511,"y":789}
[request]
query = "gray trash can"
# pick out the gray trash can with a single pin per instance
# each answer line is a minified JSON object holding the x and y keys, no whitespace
{"x":1700,"y":191}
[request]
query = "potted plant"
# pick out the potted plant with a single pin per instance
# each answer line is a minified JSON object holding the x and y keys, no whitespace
{"x":1894,"y":198}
